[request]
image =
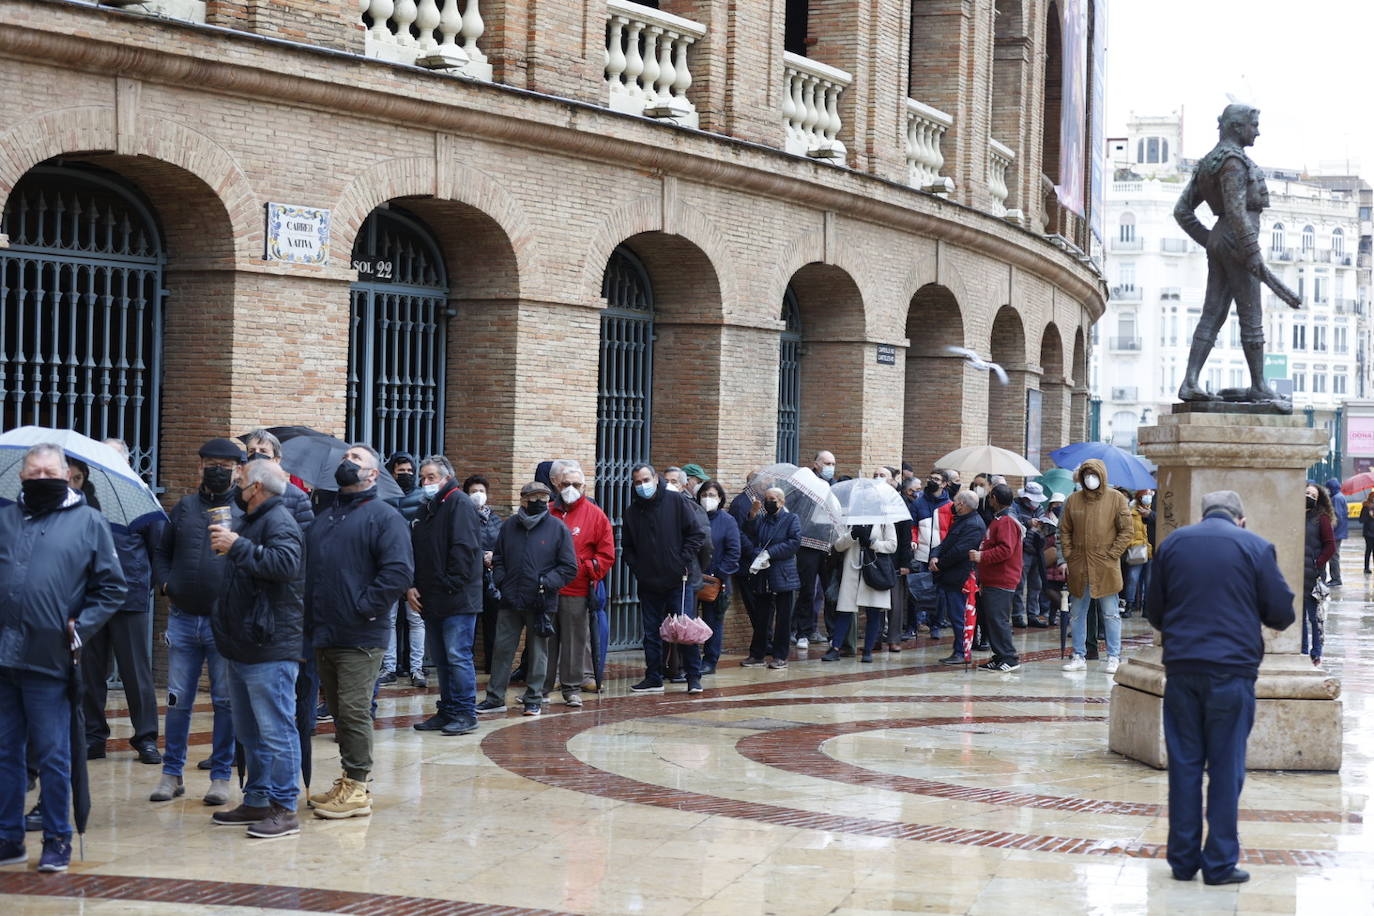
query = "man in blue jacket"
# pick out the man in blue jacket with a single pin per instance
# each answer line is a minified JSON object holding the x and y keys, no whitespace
{"x":1340,"y":530}
{"x":1212,"y":586}
{"x":60,"y":578}
{"x":951,"y":566}
{"x":358,"y":565}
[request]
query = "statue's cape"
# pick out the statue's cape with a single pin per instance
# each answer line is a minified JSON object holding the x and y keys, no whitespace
{"x":1210,"y":164}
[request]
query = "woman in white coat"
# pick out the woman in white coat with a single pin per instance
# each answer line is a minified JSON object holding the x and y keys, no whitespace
{"x":855,"y":592}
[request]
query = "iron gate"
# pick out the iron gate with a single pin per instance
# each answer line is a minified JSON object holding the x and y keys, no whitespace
{"x":397,"y":333}
{"x":623,"y":410}
{"x":789,"y":380}
{"x":81,"y":302}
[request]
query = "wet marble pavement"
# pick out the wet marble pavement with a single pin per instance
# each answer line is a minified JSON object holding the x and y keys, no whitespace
{"x":827,"y":788}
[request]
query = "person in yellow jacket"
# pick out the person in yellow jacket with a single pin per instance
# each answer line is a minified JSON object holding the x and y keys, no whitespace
{"x":1137,"y":556}
{"x":1096,"y":527}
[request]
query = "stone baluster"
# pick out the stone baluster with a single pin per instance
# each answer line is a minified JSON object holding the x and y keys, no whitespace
{"x":634,"y":62}
{"x":925,"y":128}
{"x":655,"y":76}
{"x":439,"y":32}
{"x":1000,"y":159}
{"x":473,"y":28}
{"x":381,"y":11}
{"x":811,"y":107}
{"x":403,"y":18}
{"x":651,"y":69}
{"x":616,"y":61}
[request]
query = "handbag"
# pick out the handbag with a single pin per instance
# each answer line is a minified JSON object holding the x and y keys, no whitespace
{"x":710,"y":588}
{"x":878,"y":572}
{"x":1137,"y":554}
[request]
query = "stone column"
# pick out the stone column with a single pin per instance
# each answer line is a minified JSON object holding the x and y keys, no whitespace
{"x":1265,"y":459}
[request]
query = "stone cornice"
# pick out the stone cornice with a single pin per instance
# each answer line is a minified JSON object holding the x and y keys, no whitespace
{"x":395,"y":94}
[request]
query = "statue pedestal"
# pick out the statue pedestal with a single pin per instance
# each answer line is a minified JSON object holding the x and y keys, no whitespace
{"x":1265,"y":460}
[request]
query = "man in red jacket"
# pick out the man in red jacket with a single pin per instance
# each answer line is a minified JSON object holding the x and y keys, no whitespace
{"x":594,"y":543}
{"x":999,"y":574}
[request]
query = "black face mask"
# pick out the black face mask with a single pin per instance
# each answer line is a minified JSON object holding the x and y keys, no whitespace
{"x":1311,"y":502}
{"x":240,"y":501}
{"x":536,"y":506}
{"x":346,"y":474}
{"x":43,"y":494}
{"x":953,"y":488}
{"x":932,"y":487}
{"x":217,"y":479}
{"x":407,"y":482}
{"x":771,"y":506}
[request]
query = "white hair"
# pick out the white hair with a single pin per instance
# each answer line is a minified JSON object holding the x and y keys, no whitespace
{"x":43,"y":449}
{"x":268,"y":474}
{"x":967,"y":498}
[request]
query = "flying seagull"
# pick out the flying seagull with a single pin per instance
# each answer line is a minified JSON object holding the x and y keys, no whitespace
{"x":979,"y":363}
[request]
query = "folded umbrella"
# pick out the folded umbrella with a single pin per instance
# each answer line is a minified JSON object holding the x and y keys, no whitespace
{"x":124,"y":498}
{"x":867,"y":501}
{"x":80,"y":779}
{"x":314,"y":459}
{"x":987,"y":459}
{"x":970,"y":615}
{"x":1123,"y":468}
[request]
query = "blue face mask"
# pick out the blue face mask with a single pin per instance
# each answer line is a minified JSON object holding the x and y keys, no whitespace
{"x":647,"y":490}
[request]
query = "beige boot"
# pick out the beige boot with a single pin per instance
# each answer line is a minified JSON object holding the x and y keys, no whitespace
{"x":319,"y":798}
{"x":352,"y":800}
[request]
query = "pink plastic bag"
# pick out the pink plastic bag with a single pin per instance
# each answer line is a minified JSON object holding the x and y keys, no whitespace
{"x":684,"y":630}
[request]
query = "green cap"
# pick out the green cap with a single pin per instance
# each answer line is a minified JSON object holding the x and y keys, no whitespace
{"x":695,"y":470}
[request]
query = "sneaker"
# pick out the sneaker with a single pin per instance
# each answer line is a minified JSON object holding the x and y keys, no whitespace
{"x":751,"y":662}
{"x":147,"y":752}
{"x":776,"y":665}
{"x":168,"y":788}
{"x":1075,"y":664}
{"x":388,"y":677}
{"x":678,"y":678}
{"x":708,"y":669}
{"x":349,"y":799}
{"x":573,"y":700}
{"x":533,"y":709}
{"x":241,"y":816}
{"x":952,"y":660}
{"x":1112,"y":664}
{"x":319,"y":798}
{"x":218,"y":793}
{"x":278,"y":822}
{"x":1000,"y":666}
{"x":803,"y":642}
{"x":695,"y":687}
{"x":490,"y":706}
{"x":418,"y":680}
{"x":832,"y":656}
{"x":867,"y":657}
{"x":33,"y":821}
{"x":459,"y":727}
{"x":648,"y":686}
{"x":57,"y":854}
{"x":432,"y":724}
{"x":12,"y":853}
{"x":322,"y":713}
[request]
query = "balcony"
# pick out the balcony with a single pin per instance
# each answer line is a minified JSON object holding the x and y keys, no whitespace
{"x":434,"y":34}
{"x":1000,"y":159}
{"x":1124,"y":344}
{"x":1321,"y":255}
{"x":1174,"y":246}
{"x":1170,"y":294}
{"x":810,"y":107}
{"x":1126,"y":394}
{"x":925,"y":129}
{"x":1346,"y":306}
{"x":646,"y":62}
{"x":1281,"y":254}
{"x":1120,"y":244}
{"x":1126,"y":292}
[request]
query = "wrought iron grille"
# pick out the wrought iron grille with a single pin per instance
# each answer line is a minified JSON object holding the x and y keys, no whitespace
{"x":789,"y":380}
{"x":623,"y":411}
{"x":81,"y":303}
{"x":397,"y":332}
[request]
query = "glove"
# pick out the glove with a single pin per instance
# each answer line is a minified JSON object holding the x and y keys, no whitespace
{"x":760,"y":562}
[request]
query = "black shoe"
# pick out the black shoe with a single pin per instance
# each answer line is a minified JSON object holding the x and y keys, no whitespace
{"x":204,"y":764}
{"x":34,"y":819}
{"x":388,"y":677}
{"x":1184,"y":876}
{"x":867,"y":657}
{"x":517,"y":676}
{"x":707,"y":669}
{"x":678,"y":678}
{"x":1019,"y":623}
{"x":459,"y":727}
{"x":1235,"y":877}
{"x":148,"y":753}
{"x":95,"y":752}
{"x":433,"y":724}
{"x":981,"y":646}
{"x":1039,"y":623}
{"x":648,"y":686}
{"x":832,"y":656}
{"x":952,"y":660}
{"x":694,"y":687}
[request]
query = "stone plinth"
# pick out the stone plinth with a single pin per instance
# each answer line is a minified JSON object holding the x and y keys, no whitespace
{"x":1265,"y":460}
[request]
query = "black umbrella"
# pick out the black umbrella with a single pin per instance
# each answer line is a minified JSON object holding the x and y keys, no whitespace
{"x":287,"y":433}
{"x":81,"y":783}
{"x":313,"y":459}
{"x":307,"y":695}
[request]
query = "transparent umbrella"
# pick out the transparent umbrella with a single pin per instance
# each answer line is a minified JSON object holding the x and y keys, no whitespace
{"x":867,"y":501}
{"x":805,"y":496}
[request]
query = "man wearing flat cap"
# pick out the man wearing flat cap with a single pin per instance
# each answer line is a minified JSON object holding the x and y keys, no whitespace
{"x":533,"y":559}
{"x":1213,"y":585}
{"x":191,"y":574}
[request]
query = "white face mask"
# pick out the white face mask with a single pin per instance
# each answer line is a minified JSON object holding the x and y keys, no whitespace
{"x":827,"y":471}
{"x":710,"y":503}
{"x":981,"y":491}
{"x":1147,"y":499}
{"x":431,"y":490}
{"x":1091,"y":481}
{"x":675,"y":488}
{"x":570,"y":495}
{"x":479,"y":497}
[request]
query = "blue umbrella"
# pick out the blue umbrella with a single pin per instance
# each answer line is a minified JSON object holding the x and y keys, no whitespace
{"x":124,"y":498}
{"x":1123,"y":468}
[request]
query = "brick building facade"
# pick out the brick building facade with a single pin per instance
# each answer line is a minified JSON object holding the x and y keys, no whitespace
{"x":522,"y":153}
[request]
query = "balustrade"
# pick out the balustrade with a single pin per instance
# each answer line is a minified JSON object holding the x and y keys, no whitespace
{"x":647,"y":71}
{"x":437,"y":34}
{"x":1000,"y":159}
{"x":810,"y":107}
{"x":925,"y":128}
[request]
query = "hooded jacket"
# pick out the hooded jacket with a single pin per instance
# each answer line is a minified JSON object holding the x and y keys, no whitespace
{"x":184,"y":566}
{"x":261,"y":616}
{"x":54,"y":567}
{"x":358,"y":565}
{"x":593,"y":541}
{"x":1341,"y":505}
{"x":447,"y":539}
{"x":1094,"y":531}
{"x":660,"y":539}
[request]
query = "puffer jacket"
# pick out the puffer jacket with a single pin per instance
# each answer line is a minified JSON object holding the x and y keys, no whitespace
{"x":531,"y":564}
{"x":261,"y":617}
{"x":185,"y":569}
{"x":780,"y":535}
{"x":1094,"y":530}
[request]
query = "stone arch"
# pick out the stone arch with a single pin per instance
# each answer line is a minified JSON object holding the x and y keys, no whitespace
{"x":1055,"y":392}
{"x":936,"y":380}
{"x":810,"y":249}
{"x":1078,"y":411}
{"x":1007,"y":403}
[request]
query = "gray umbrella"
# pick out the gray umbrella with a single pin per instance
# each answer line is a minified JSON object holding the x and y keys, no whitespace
{"x":314,"y":458}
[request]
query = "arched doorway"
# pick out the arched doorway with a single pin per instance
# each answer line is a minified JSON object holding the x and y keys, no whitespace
{"x":936,"y":382}
{"x":1007,"y":404}
{"x":789,"y":380}
{"x":397,"y":329}
{"x":623,"y":412}
{"x":81,"y":300}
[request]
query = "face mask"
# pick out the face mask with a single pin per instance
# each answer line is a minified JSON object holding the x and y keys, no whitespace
{"x":407,"y":482}
{"x":346,"y":474}
{"x":646,"y":490}
{"x":1147,"y":500}
{"x":770,"y":506}
{"x":828,"y":472}
{"x":570,"y":495}
{"x":536,"y":506}
{"x":980,"y":491}
{"x":675,"y":488}
{"x":431,"y":490}
{"x":1091,"y":481}
{"x":44,"y":494}
{"x":216,"y":479}
{"x":480,"y":497}
{"x":241,"y":501}
{"x":932,"y":487}
{"x":952,"y":489}
{"x":710,"y":503}
{"x":1311,"y":502}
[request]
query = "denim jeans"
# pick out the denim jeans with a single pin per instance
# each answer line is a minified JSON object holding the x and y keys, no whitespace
{"x":713,"y":612}
{"x":450,"y":652}
{"x":416,"y":623}
{"x":1311,"y":627}
{"x":1134,"y":575}
{"x":263,"y":697}
{"x":1207,"y":720}
{"x":951,"y":610}
{"x":654,"y":606}
{"x":1026,"y":597}
{"x":35,"y":721}
{"x":190,"y":644}
{"x":1078,"y":622}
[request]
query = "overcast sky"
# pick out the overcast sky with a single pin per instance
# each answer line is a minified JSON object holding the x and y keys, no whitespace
{"x":1306,"y":65}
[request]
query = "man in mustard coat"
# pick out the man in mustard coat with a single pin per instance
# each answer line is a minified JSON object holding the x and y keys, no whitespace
{"x":1094,"y":532}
